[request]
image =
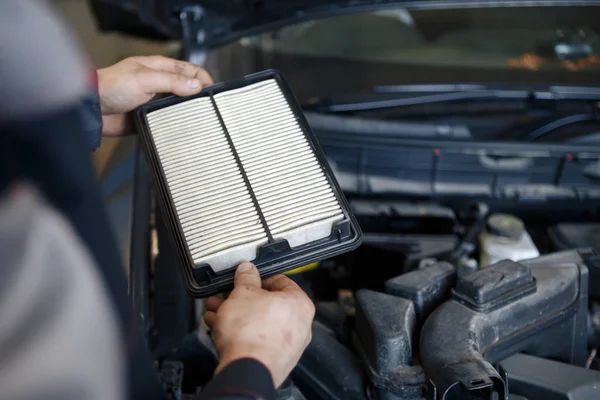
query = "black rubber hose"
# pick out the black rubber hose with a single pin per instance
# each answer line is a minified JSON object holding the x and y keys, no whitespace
{"x":469,"y":241}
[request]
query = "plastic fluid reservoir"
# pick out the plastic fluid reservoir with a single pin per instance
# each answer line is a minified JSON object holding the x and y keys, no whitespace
{"x":504,"y":238}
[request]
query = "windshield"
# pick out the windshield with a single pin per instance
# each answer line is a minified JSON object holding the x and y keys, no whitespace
{"x":352,"y":53}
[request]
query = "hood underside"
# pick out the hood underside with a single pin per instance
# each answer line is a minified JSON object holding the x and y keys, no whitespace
{"x":224,"y":21}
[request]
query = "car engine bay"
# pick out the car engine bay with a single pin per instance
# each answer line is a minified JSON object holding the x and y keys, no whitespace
{"x":418,"y":322}
{"x":448,"y":297}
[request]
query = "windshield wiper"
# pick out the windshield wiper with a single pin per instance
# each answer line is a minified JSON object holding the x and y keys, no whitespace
{"x":561,"y":123}
{"x":415,"y":95}
{"x":351,"y":125}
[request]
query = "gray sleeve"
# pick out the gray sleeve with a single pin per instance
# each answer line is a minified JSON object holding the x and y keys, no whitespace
{"x":58,"y":333}
{"x":41,"y":66}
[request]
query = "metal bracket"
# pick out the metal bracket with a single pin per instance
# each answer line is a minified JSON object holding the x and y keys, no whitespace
{"x":193,"y":34}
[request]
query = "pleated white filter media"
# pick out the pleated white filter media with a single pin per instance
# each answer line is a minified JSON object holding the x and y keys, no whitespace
{"x":212,"y":201}
{"x":292,"y":191}
{"x":219,"y":221}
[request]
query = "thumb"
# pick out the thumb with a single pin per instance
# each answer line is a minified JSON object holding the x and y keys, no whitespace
{"x":153,"y":81}
{"x":247,"y":277}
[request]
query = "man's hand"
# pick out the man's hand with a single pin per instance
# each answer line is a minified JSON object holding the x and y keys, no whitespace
{"x":271,"y":324}
{"x":137,"y":80}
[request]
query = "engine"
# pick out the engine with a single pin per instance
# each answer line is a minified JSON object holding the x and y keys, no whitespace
{"x":441,"y":303}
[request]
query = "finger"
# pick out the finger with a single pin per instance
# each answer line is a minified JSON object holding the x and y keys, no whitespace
{"x":278,"y":283}
{"x":209,"y":318}
{"x":213,"y":303}
{"x":152,"y":81}
{"x":246,"y":278}
{"x":179,"y":67}
{"x":204,"y":77}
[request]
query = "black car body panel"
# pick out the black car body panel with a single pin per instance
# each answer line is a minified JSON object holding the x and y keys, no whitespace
{"x":227,"y":20}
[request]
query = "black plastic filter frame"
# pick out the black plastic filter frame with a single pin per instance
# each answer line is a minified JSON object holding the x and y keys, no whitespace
{"x":274,"y":257}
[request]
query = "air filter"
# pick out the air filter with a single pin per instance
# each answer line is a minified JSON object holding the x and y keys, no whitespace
{"x":240,"y":177}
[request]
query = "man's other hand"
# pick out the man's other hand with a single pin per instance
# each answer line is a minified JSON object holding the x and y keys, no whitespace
{"x":136,"y":80}
{"x":270,"y":322}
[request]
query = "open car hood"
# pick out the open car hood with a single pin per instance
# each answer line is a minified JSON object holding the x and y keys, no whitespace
{"x":213,"y":23}
{"x":223,"y":21}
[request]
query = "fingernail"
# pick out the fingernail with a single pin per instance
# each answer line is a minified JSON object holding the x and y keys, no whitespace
{"x":194,"y":83}
{"x":245,"y":266}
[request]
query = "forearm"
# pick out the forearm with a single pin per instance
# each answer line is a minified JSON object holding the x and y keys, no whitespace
{"x":91,"y":113}
{"x":243,"y":379}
